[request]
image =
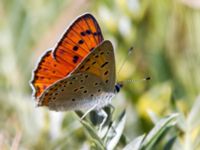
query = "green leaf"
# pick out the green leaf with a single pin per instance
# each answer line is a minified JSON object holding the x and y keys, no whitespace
{"x":154,"y":118}
{"x":170,"y":143}
{"x":95,"y":138}
{"x":157,"y":131}
{"x":197,"y":142}
{"x":193,"y":117}
{"x":118,"y":127}
{"x":135,"y":144}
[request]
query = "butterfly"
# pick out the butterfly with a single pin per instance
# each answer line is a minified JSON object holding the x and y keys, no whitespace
{"x":79,"y":73}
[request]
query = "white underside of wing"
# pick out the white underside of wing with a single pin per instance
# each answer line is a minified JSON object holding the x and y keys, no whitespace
{"x":100,"y":101}
{"x":78,"y":92}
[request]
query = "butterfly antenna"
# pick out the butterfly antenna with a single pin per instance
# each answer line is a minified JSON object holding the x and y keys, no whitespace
{"x":139,"y":80}
{"x":120,"y":84}
{"x":123,"y":62}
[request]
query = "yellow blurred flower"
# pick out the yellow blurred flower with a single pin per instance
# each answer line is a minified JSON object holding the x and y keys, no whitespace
{"x":157,"y":100}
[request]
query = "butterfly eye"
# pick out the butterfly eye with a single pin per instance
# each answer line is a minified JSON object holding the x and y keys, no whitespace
{"x":118,"y":86}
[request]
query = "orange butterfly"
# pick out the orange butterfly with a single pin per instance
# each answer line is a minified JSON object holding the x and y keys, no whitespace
{"x":79,"y":72}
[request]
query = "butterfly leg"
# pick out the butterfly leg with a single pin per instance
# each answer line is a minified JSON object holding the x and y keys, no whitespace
{"x":112,"y":108}
{"x":105,"y":116}
{"x":87,"y":112}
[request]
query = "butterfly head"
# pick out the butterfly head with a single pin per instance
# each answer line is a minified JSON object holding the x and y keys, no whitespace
{"x":118,"y":86}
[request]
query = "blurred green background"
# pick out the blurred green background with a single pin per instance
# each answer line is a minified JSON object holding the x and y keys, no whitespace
{"x":165,"y":36}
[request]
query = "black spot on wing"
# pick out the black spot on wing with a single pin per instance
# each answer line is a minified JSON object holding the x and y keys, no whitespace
{"x":75,"y":59}
{"x":104,"y":64}
{"x":75,"y":48}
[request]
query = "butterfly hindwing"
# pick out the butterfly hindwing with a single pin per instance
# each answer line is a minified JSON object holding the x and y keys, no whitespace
{"x":84,"y":86}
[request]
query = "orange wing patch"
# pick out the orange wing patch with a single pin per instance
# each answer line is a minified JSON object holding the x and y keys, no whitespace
{"x":47,"y":72}
{"x":82,"y":37}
